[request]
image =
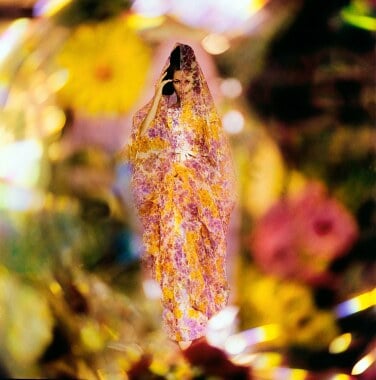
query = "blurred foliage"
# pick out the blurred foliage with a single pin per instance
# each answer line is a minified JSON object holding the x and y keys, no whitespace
{"x":80,"y":11}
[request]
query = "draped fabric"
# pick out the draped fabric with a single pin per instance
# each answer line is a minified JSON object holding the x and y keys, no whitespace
{"x":182,"y":182}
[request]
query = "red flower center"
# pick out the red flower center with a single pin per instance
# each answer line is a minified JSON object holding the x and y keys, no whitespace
{"x":103,"y":72}
{"x":323,"y":226}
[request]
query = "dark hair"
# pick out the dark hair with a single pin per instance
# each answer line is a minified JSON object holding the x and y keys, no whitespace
{"x":168,"y":88}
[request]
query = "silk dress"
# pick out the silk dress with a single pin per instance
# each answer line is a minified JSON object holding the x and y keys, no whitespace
{"x":183,"y":191}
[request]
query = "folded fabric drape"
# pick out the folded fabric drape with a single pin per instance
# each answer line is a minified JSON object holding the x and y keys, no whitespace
{"x":182,"y":181}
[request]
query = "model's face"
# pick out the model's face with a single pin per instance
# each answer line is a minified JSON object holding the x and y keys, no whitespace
{"x":183,"y":83}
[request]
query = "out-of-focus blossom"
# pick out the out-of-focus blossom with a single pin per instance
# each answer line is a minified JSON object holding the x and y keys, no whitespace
{"x":26,"y":321}
{"x":263,"y":176}
{"x":107,"y":65}
{"x":266,"y":175}
{"x":274,"y":244}
{"x":314,"y":330}
{"x":327,"y":229}
{"x":214,"y":362}
{"x":299,"y":237}
{"x":291,"y":306}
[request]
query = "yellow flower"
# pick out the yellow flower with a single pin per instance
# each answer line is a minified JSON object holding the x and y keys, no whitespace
{"x":316,"y":330}
{"x":291,"y":306}
{"x":107,"y":64}
{"x":294,"y":299}
{"x":26,"y":320}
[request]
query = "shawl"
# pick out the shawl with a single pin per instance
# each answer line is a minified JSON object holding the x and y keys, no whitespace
{"x":184,"y":203}
{"x":200,"y":108}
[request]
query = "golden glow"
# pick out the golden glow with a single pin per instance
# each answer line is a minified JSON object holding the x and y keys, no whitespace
{"x":111,"y":332}
{"x":139,"y":22}
{"x":290,"y":374}
{"x":92,"y":337}
{"x":340,"y":344}
{"x":53,"y":119}
{"x":49,"y":7}
{"x":267,"y":360}
{"x":243,"y":359}
{"x":298,"y":374}
{"x":340,"y":376}
{"x":159,"y":367}
{"x":55,"y":151}
{"x":40,"y":93}
{"x":215,"y":44}
{"x":3,"y":271}
{"x":7,"y":118}
{"x":11,"y":37}
{"x":259,"y":360}
{"x":57,"y":80}
{"x":83,"y":287}
{"x":281,"y":373}
{"x":356,"y":304}
{"x":238,"y":343}
{"x":255,"y":5}
{"x":101,"y":374}
{"x":269,"y":332}
{"x":55,"y":288}
{"x":364,"y":363}
{"x":265,"y":176}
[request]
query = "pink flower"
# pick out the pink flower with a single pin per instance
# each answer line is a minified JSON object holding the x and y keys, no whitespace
{"x":273,"y":241}
{"x":298,"y":238}
{"x":325,"y":229}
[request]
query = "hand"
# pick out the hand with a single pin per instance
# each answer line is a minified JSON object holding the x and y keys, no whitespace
{"x":153,"y":110}
{"x":159,"y":86}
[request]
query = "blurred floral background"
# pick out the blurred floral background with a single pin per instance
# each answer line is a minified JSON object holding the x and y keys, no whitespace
{"x":294,"y":83}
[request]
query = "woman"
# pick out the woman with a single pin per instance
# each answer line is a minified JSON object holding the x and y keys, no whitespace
{"x":182,"y":184}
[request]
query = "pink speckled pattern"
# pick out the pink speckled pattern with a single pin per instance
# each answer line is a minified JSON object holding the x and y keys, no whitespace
{"x":182,"y":180}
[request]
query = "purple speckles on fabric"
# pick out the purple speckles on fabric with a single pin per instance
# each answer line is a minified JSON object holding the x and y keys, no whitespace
{"x":182,"y":185}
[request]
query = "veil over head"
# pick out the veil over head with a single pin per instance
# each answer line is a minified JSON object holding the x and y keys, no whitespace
{"x":183,"y":187}
{"x":199,"y":107}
